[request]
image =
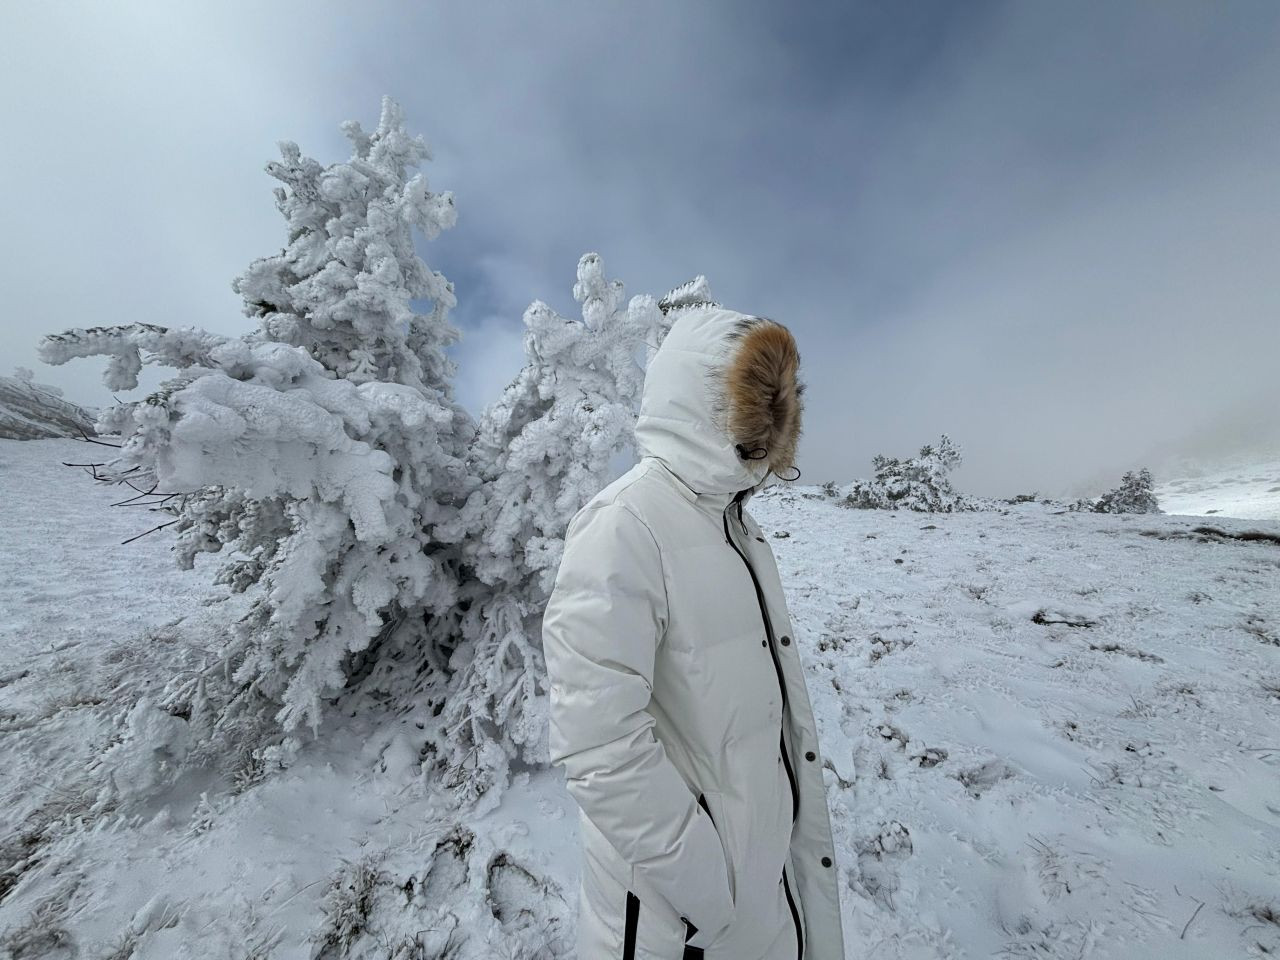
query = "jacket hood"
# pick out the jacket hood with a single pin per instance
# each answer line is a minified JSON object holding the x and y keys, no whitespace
{"x":722,"y":401}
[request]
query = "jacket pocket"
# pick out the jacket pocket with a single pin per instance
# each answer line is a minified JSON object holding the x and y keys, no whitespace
{"x":713,"y":803}
{"x":630,"y":926}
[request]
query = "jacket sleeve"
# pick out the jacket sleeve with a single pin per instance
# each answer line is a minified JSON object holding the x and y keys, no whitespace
{"x":601,"y":629}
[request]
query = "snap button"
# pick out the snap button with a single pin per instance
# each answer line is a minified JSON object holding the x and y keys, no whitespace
{"x":764,"y":643}
{"x":761,"y":539}
{"x":810,"y":755}
{"x":826,"y":861}
{"x":786,"y":641}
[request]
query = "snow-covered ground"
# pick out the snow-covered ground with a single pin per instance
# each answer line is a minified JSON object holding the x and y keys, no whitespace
{"x":1247,"y":487}
{"x":1060,"y":733}
{"x":199,"y":868}
{"x":1048,"y":734}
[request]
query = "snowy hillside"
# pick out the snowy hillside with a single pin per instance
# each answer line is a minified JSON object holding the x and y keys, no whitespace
{"x":30,"y":410}
{"x":1049,"y":735}
{"x":1243,"y":486}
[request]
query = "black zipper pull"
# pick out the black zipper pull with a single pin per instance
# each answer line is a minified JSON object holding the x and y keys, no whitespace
{"x":737,"y":499}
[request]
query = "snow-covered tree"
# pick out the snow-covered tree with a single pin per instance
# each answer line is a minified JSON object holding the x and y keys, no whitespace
{"x":543,"y":449}
{"x":342,"y":287}
{"x":397,"y":552}
{"x":318,"y":452}
{"x":922,"y":482}
{"x":1134,"y":495}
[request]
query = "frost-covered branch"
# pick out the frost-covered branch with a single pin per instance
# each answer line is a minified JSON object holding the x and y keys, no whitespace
{"x":186,"y":347}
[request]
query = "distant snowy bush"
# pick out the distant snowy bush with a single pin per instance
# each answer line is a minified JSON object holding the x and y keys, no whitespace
{"x":1134,"y":495}
{"x":922,"y":482}
{"x":396,"y":547}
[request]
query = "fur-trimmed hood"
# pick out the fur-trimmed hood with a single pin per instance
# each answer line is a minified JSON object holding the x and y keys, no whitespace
{"x":722,"y":400}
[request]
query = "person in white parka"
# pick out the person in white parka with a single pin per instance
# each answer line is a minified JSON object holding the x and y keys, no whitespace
{"x":678,"y":706}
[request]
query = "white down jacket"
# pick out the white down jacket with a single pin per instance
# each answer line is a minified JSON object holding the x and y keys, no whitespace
{"x":678,"y":704}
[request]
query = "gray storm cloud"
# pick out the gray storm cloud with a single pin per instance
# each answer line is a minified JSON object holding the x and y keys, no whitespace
{"x":1047,"y":231}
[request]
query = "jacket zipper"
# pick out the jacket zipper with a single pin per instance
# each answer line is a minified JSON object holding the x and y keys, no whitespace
{"x":782,"y":688}
{"x":777,"y":664}
{"x":629,"y":931}
{"x":795,"y":914}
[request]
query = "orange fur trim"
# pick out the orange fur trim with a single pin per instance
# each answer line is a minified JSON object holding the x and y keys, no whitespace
{"x":763,"y":391}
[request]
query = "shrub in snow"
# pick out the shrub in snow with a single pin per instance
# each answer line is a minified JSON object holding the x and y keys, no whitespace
{"x":1134,"y":495}
{"x":922,"y":482}
{"x":396,"y":547}
{"x":348,"y":904}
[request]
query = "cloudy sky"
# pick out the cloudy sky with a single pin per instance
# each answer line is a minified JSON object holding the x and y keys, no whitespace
{"x":1050,"y":230}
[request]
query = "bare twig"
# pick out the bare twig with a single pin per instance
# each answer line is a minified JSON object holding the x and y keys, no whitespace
{"x":138,"y":496}
{"x":1183,"y":935}
{"x":129,"y":484}
{"x":289,"y":899}
{"x":88,"y":439}
{"x":92,"y":468}
{"x":160,"y":526}
{"x":139,"y":499}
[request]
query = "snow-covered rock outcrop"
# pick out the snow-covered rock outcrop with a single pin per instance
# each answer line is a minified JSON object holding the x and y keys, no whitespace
{"x":37,"y":411}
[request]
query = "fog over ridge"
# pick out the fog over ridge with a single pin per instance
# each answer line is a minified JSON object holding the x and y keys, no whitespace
{"x":1049,"y":232}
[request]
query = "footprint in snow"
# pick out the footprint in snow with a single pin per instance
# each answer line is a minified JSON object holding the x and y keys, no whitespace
{"x":888,"y":731}
{"x":448,"y":871}
{"x":519,"y":899}
{"x":978,"y":780}
{"x":927,"y":757}
{"x":880,"y":858}
{"x":881,"y":647}
{"x":529,"y":908}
